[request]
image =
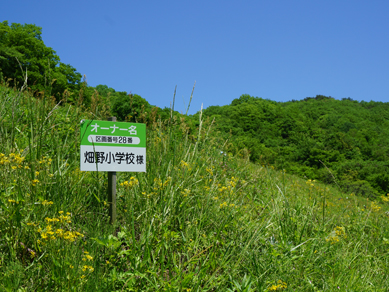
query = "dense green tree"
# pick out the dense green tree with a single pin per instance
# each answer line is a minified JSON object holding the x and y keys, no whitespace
{"x":22,"y":49}
{"x":104,"y":90}
{"x":129,"y":106}
{"x":66,"y":78}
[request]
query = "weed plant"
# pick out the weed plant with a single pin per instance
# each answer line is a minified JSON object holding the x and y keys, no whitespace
{"x":197,"y":220}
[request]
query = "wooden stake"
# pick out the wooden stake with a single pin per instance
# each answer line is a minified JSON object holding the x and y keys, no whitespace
{"x":112,"y":189}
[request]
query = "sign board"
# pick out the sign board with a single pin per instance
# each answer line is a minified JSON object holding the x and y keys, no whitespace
{"x":112,"y":146}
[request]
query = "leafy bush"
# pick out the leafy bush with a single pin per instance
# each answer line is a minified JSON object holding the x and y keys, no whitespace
{"x":129,"y":107}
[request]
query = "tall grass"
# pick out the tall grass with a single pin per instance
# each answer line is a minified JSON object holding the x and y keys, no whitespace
{"x":198,"y":220}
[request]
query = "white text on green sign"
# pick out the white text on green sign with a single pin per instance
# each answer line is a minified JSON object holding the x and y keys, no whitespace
{"x":105,"y":133}
{"x":112,"y":146}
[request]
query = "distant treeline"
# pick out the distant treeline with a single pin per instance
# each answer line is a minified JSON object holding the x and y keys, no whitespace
{"x":335,"y":141}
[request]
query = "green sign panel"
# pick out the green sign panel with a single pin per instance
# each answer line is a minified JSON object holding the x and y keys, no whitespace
{"x":112,"y":146}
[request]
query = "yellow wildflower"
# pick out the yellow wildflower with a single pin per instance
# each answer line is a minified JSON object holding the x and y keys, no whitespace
{"x":86,"y":267}
{"x":336,"y":234}
{"x":280,"y":286}
{"x":46,"y":203}
{"x":185,"y":192}
{"x":167,"y":181}
{"x":223,"y":205}
{"x":89,"y":257}
{"x":184,"y":164}
{"x":375,"y":207}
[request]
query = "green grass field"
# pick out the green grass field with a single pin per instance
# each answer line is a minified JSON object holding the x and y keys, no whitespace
{"x":198,"y":220}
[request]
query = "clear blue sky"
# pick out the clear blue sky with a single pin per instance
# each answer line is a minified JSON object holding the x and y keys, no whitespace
{"x":278,"y":50}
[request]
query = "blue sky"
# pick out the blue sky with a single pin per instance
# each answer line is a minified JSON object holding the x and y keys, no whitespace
{"x":278,"y":50}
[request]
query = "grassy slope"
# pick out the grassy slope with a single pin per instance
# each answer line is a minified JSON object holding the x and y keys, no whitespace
{"x":196,"y":221}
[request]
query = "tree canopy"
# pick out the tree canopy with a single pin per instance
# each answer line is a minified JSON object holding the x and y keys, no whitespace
{"x":22,"y":48}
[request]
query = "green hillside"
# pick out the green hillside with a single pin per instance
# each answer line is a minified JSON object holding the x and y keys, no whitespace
{"x":196,"y":221}
{"x":340,"y":142}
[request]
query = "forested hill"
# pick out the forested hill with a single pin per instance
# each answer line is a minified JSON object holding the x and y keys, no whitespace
{"x":335,"y":141}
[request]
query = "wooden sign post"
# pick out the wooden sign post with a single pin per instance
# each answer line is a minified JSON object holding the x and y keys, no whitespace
{"x":112,"y":190}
